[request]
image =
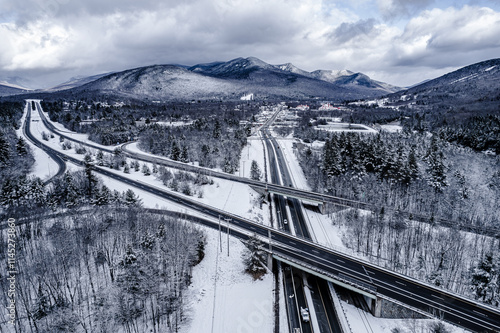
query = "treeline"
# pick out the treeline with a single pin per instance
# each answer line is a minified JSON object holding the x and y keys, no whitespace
{"x":407,"y":171}
{"x":479,"y":133}
{"x":107,"y":270}
{"x":16,"y":158}
{"x":118,"y":122}
{"x":210,"y":142}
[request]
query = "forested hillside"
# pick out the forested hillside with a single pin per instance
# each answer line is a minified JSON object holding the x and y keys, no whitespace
{"x":103,"y":270}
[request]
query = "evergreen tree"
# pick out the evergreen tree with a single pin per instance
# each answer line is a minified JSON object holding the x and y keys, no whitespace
{"x":131,"y":198}
{"x":254,"y":257}
{"x":255,"y":172}
{"x":103,"y":196}
{"x":217,"y":130}
{"x":126,"y":168}
{"x":37,"y":192}
{"x":71,"y":194}
{"x":91,"y":179}
{"x":145,"y":170}
{"x":100,"y":158}
{"x":228,"y":165}
{"x":4,"y":150}
{"x":184,"y":155}
{"x":175,"y":151}
{"x":21,"y":147}
{"x":485,"y":281}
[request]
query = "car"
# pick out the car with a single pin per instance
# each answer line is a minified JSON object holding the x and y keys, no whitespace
{"x":304,"y":312}
{"x":285,"y":221}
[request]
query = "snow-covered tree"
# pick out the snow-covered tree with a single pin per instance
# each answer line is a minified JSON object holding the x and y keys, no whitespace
{"x":485,"y":282}
{"x":255,"y":172}
{"x":255,"y":257}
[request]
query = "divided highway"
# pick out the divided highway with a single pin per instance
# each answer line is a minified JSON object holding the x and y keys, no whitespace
{"x":450,"y":307}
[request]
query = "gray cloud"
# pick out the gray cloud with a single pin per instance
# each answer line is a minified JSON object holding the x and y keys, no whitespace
{"x":392,"y":10}
{"x":85,"y":38}
{"x":348,"y":31}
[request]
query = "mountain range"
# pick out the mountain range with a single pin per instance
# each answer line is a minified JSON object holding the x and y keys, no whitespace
{"x":476,"y":86}
{"x":227,"y":80}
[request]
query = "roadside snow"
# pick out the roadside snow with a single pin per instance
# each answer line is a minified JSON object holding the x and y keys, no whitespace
{"x":44,"y":167}
{"x":253,"y":151}
{"x":361,"y":322}
{"x":222,"y":297}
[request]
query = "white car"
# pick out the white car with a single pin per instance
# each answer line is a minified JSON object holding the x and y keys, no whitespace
{"x":285,"y":221}
{"x":304,"y":312}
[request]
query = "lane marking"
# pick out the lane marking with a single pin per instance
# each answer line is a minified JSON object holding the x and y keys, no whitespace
{"x":401,"y":283}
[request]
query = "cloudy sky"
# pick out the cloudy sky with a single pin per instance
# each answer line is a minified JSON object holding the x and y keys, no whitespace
{"x":401,"y":42}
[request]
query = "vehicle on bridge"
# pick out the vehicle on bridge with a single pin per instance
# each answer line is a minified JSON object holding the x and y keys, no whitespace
{"x":304,"y":313}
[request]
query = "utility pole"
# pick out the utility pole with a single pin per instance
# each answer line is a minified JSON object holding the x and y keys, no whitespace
{"x":220,"y":236}
{"x":227,"y":226}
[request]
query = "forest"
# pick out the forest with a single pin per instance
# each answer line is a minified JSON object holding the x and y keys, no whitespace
{"x":433,"y":174}
{"x":173,"y":130}
{"x":103,"y":270}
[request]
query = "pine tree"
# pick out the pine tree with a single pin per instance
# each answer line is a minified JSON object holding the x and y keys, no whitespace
{"x":255,"y":172}
{"x":255,"y":257}
{"x":37,"y":192}
{"x":103,"y":196}
{"x":184,"y":155}
{"x":485,"y":281}
{"x":145,"y":170}
{"x":71,"y":194}
{"x":437,"y":171}
{"x":21,"y":147}
{"x":100,"y":158}
{"x":175,"y":151}
{"x":217,"y":130}
{"x":228,"y":165}
{"x":4,"y":150}
{"x":131,"y":198}
{"x":91,"y":179}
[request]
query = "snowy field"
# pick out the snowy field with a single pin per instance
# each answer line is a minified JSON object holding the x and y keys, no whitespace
{"x":345,"y":127}
{"x":222,"y":297}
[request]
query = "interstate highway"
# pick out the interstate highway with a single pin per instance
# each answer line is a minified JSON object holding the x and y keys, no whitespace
{"x":450,"y":307}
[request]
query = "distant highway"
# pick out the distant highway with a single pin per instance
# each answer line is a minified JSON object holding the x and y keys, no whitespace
{"x":448,"y":306}
{"x":27,"y":133}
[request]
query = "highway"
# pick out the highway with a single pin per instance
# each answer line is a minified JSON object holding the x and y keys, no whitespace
{"x":382,"y":282}
{"x":324,"y":313}
{"x":284,"y":190}
{"x":27,"y":133}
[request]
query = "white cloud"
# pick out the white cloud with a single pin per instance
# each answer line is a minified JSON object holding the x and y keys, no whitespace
{"x":68,"y":37}
{"x":437,"y":36}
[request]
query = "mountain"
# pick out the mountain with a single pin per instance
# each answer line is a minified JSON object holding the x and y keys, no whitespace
{"x":8,"y":89}
{"x":230,"y":80}
{"x":472,"y":88}
{"x":77,"y":81}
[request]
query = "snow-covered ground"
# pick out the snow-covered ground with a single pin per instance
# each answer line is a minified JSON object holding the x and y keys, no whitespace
{"x":392,"y":127}
{"x":345,"y":127}
{"x":361,"y":322}
{"x":253,"y":151}
{"x":44,"y":167}
{"x":222,"y":297}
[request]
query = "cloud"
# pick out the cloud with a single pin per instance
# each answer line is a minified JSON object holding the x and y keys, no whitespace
{"x":437,"y":36}
{"x":349,"y":31}
{"x":396,"y":9}
{"x":56,"y":39}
